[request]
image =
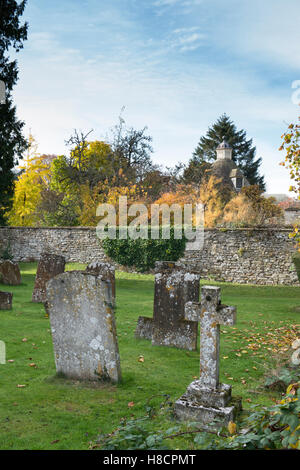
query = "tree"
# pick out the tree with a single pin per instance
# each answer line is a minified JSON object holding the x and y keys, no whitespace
{"x":131,"y":152}
{"x":251,"y":208}
{"x":243,"y":153}
{"x":290,"y":144}
{"x":34,"y":177}
{"x":12,"y":142}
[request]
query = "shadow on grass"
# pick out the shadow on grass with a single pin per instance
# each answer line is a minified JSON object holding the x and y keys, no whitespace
{"x":60,"y":379}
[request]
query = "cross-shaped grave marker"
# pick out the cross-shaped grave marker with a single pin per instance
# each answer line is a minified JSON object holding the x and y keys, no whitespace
{"x":211,"y":314}
{"x":206,"y":399}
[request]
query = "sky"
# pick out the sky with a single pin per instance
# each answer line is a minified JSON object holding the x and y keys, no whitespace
{"x":175,"y":66}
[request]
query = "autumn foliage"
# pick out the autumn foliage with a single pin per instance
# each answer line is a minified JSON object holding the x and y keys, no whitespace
{"x":66,"y":191}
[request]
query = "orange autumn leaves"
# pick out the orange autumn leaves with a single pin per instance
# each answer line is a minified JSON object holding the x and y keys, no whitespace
{"x":267,"y":339}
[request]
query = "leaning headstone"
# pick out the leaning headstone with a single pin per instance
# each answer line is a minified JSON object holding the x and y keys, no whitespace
{"x":174,"y":286}
{"x":10,"y":273}
{"x":83,"y":327}
{"x":107,"y":272}
{"x":49,"y":266}
{"x":206,"y":400}
{"x":6,"y":300}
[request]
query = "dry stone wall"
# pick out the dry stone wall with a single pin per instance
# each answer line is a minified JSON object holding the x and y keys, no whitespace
{"x":250,"y":256}
{"x":254,"y":256}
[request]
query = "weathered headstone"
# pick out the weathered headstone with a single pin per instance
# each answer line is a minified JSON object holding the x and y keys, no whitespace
{"x":107,"y":272}
{"x":206,"y":399}
{"x":174,"y":286}
{"x":295,"y":359}
{"x":83,"y":326}
{"x":6,"y":300}
{"x":10,"y":273}
{"x":49,"y":266}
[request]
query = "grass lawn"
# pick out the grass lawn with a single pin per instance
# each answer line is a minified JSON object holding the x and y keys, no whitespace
{"x":53,"y":413}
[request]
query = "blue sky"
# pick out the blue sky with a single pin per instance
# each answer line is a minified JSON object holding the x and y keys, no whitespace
{"x":176,"y":66}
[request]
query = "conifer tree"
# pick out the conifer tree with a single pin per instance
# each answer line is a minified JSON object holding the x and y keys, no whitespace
{"x":243,"y":154}
{"x":12,"y":142}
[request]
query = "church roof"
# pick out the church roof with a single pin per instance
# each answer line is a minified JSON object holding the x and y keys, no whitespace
{"x":226,"y":170}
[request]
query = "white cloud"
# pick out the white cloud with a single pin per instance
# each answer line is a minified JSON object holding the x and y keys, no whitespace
{"x":261,"y":30}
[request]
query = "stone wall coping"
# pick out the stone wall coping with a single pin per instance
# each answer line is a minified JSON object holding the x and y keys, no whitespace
{"x":46,"y":228}
{"x":214,"y":229}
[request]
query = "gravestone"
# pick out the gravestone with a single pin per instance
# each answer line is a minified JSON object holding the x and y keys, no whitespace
{"x":83,"y":327}
{"x":107,"y":272}
{"x":2,"y":352}
{"x":10,"y":273}
{"x":174,"y":286}
{"x":49,"y":266}
{"x":206,"y":399}
{"x":6,"y":300}
{"x":295,"y":359}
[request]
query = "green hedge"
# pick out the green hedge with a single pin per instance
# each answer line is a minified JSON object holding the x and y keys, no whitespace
{"x":142,"y":253}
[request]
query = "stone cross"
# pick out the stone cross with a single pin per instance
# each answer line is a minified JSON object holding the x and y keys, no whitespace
{"x":206,"y":401}
{"x":211,"y":314}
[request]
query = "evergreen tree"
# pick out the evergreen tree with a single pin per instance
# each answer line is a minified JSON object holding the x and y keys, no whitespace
{"x":12,"y":142}
{"x":243,"y":153}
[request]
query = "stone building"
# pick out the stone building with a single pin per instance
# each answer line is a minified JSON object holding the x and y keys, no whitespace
{"x":225,"y":168}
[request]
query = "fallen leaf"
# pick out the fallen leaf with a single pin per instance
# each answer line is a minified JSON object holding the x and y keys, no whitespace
{"x":54,"y":442}
{"x":130,"y":404}
{"x":231,"y":427}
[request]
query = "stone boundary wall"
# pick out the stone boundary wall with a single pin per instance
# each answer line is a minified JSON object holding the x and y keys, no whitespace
{"x":247,"y":256}
{"x":76,"y":244}
{"x":250,"y":256}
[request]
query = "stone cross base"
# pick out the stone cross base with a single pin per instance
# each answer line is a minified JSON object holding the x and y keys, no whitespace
{"x":205,"y":405}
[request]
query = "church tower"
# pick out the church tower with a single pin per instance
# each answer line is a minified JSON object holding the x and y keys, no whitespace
{"x":224,"y":151}
{"x":225,"y":168}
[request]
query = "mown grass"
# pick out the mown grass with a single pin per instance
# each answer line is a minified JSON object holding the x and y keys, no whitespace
{"x":53,"y":413}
